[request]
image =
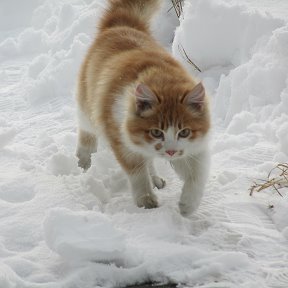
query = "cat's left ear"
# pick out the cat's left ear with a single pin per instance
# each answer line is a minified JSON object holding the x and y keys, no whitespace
{"x":196,"y":97}
{"x":145,"y":98}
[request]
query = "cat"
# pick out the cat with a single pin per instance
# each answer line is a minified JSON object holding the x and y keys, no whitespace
{"x":145,"y":103}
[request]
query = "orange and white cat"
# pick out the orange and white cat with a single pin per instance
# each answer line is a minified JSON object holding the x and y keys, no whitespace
{"x":145,"y":104}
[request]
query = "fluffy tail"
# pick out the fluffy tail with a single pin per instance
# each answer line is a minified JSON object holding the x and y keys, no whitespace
{"x":133,"y":13}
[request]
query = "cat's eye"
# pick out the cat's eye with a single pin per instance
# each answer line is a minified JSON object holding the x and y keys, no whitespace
{"x":156,"y":133}
{"x":184,"y":133}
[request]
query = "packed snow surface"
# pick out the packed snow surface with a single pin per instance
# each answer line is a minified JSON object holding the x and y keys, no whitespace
{"x":60,"y":227}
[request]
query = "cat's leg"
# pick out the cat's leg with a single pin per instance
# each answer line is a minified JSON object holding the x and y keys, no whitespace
{"x":156,"y":180}
{"x":137,"y":171}
{"x":194,"y":171}
{"x":142,"y":188}
{"x":87,"y":144}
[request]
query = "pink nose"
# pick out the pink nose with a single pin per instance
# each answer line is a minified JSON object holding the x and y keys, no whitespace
{"x":171,"y":152}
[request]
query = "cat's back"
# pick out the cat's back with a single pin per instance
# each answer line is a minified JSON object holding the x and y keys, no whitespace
{"x":115,"y":42}
{"x":124,"y":28}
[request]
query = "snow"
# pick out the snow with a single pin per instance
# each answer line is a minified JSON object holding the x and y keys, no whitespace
{"x":83,"y":236}
{"x":280,"y":216}
{"x":212,"y":42}
{"x":61,"y":227}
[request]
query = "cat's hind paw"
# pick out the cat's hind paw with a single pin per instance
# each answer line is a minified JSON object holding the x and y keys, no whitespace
{"x":158,"y":182}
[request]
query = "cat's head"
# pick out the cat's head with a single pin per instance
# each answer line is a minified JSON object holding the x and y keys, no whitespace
{"x":171,"y":126}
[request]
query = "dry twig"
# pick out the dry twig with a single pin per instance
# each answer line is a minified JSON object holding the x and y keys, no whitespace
{"x":276,"y":179}
{"x":187,"y":58}
{"x":178,"y":7}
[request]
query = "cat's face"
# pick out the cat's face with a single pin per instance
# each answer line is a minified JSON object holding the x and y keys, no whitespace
{"x":172,"y":127}
{"x":173,"y":142}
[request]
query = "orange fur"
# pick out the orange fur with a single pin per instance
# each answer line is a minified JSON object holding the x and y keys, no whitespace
{"x":123,"y":55}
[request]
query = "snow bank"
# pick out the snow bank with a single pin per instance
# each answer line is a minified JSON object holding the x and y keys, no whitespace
{"x":260,"y":83}
{"x":56,"y":41}
{"x":252,"y":98}
{"x":61,"y":164}
{"x":8,"y":278}
{"x":210,"y":41}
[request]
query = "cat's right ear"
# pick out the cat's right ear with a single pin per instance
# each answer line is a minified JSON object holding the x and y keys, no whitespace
{"x":145,"y":98}
{"x":196,"y":97}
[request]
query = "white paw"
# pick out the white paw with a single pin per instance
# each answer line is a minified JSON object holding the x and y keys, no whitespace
{"x":84,"y":163}
{"x":84,"y":159}
{"x":158,"y":182}
{"x":147,"y":201}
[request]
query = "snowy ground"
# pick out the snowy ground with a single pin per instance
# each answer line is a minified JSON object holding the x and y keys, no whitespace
{"x":62,"y":228}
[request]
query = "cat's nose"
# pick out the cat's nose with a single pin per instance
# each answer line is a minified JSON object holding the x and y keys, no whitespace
{"x":171,"y":152}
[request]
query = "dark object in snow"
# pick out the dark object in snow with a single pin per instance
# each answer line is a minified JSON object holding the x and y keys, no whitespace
{"x":153,"y":285}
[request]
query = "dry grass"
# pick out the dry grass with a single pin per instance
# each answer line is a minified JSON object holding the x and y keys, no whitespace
{"x":178,"y":7}
{"x":276,"y":179}
{"x":187,"y":58}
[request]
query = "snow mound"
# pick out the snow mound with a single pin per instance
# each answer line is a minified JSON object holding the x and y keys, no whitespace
{"x":250,"y":86}
{"x":88,"y":236}
{"x":62,"y":164}
{"x":8,"y":278}
{"x":217,"y":33}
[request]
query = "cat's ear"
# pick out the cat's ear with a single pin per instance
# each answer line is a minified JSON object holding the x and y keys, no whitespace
{"x":196,"y":97}
{"x":145,"y":98}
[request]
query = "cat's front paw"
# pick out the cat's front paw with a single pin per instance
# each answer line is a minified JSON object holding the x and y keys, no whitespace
{"x":148,"y":201}
{"x":84,"y":159}
{"x":158,"y":182}
{"x":84,"y":164}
